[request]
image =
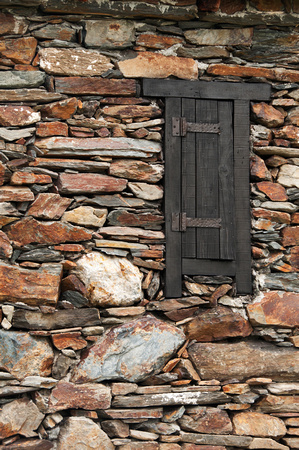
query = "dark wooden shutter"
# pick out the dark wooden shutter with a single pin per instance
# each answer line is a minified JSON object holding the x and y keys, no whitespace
{"x":207,"y":212}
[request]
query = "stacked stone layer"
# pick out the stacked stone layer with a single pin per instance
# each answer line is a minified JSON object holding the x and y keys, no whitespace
{"x":91,"y":352}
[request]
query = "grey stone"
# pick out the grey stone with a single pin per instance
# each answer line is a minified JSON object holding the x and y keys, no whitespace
{"x":130,"y":352}
{"x":20,"y":417}
{"x":281,"y":281}
{"x":21,"y":79}
{"x":23,"y":355}
{"x":212,"y":439}
{"x":232,"y":36}
{"x":75,"y":298}
{"x":109,"y":34}
{"x":146,"y":191}
{"x":41,"y":255}
{"x":13,"y":135}
{"x":243,"y":360}
{"x":81,"y":432}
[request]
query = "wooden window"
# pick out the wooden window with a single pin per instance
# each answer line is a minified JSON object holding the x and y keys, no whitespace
{"x":207,"y":210}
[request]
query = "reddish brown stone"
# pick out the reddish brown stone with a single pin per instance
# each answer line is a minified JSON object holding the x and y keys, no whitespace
{"x":14,"y":116}
{"x":290,"y":236}
{"x":258,"y":169}
{"x":267,"y":115}
{"x":69,"y":248}
{"x":72,"y":283}
{"x":295,"y":218}
{"x":219,"y":292}
{"x":20,"y":51}
{"x":29,"y":230}
{"x":136,"y":170}
{"x":200,"y":419}
{"x":33,"y":287}
{"x":129,"y":111}
{"x":95,"y":86}
{"x":155,"y":65}
{"x":156,"y":41}
{"x":267,"y":5}
{"x":5,"y":247}
{"x":274,"y":216}
{"x":289,"y":132}
{"x":278,"y":404}
{"x":274,"y":191}
{"x":122,"y":217}
{"x":279,"y":74}
{"x":4,"y":174}
{"x":19,"y":178}
{"x":63,"y":109}
{"x":89,"y":183}
{"x":72,"y":340}
{"x":280,"y":143}
{"x":258,"y":253}
{"x":208,"y":5}
{"x":275,"y":308}
{"x":47,"y":129}
{"x":30,"y":444}
{"x":216,"y":324}
{"x":232,"y":6}
{"x":186,"y":446}
{"x":48,"y":206}
{"x":15,"y":194}
{"x":88,"y":396}
{"x":81,"y":132}
{"x":11,"y":24}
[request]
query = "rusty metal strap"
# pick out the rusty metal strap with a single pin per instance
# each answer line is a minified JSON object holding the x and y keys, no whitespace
{"x":180,"y":222}
{"x":180,"y":127}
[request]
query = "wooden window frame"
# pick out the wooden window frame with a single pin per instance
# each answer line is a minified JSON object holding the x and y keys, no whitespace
{"x":240,"y":94}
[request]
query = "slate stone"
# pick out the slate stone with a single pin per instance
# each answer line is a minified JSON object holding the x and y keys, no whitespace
{"x":243,"y":360}
{"x":267,"y":115}
{"x":146,"y":191}
{"x":29,"y":444}
{"x":110,"y":281}
{"x":75,"y":298}
{"x":14,"y":116}
{"x":278,"y":74}
{"x":89,"y":396}
{"x":95,"y":86}
{"x":275,"y":308}
{"x":21,"y":79}
{"x":75,"y":61}
{"x":72,"y":164}
{"x":122,"y":217}
{"x":89,"y":183}
{"x":71,"y":339}
{"x":203,"y":52}
{"x":48,"y":206}
{"x":210,"y":439}
{"x":20,"y":416}
{"x":216,"y":324}
{"x":41,"y":255}
{"x":61,"y":31}
{"x":29,"y":230}
{"x":141,"y":346}
{"x":109,"y":33}
{"x":282,"y":281}
{"x":13,"y":135}
{"x":274,"y":191}
{"x":278,"y":404}
{"x":206,"y":420}
{"x":257,"y":424}
{"x":34,"y":320}
{"x":155,"y":65}
{"x":63,"y":109}
{"x":33,"y":287}
{"x":236,"y":36}
{"x":123,"y":147}
{"x":15,"y":194}
{"x":81,"y":431}
{"x":171,"y":12}
{"x":156,"y":41}
{"x":6,"y":249}
{"x":131,"y":111}
{"x":23,"y":355}
{"x":19,"y":50}
{"x":20,"y":178}
{"x":12,"y":25}
{"x":86,"y":216}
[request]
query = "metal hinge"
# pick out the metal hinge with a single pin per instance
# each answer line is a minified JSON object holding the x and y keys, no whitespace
{"x":180,"y":127}
{"x":180,"y":222}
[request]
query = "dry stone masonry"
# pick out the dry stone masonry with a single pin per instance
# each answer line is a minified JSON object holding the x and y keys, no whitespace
{"x":92,"y":354}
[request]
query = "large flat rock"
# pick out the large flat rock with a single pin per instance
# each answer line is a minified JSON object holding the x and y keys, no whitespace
{"x":89,"y":183}
{"x":116,"y":147}
{"x":21,"y":79}
{"x":130,"y":352}
{"x":75,"y":61}
{"x":109,"y":34}
{"x":20,"y":416}
{"x":23,"y":355}
{"x":244,"y":360}
{"x":33,"y":287}
{"x":275,"y":308}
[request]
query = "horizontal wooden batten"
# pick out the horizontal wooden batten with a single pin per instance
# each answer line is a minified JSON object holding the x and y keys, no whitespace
{"x":209,"y":267}
{"x":206,"y":89}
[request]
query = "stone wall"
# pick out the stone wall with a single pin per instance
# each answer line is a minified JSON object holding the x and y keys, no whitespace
{"x":92,"y":355}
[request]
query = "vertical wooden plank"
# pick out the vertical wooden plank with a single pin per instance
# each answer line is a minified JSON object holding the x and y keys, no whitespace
{"x":242,"y":196}
{"x":226,"y":181}
{"x":207,"y":180}
{"x":173,"y":275}
{"x":189,"y":179}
